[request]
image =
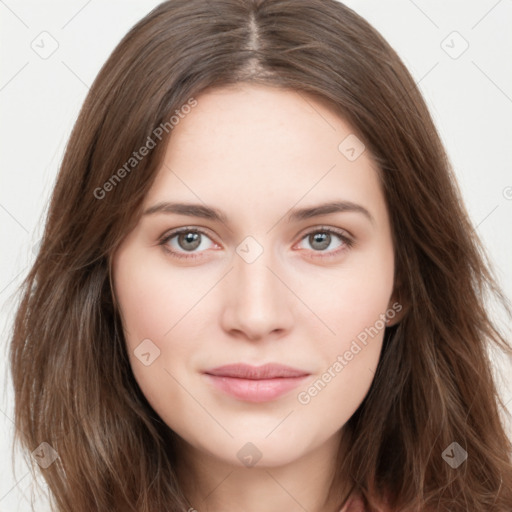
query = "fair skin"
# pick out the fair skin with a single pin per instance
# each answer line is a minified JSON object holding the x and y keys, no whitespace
{"x":255,"y":153}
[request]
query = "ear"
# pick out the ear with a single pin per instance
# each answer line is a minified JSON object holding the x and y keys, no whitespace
{"x":397,"y":308}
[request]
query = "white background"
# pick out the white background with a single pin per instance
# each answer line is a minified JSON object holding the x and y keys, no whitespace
{"x":470,"y":98}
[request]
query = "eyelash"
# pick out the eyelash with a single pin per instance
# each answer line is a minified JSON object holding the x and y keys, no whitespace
{"x":346,"y":240}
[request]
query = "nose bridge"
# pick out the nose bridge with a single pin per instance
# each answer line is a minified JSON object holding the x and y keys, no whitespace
{"x":252,"y":273}
{"x":255,"y":278}
{"x":258,"y":301}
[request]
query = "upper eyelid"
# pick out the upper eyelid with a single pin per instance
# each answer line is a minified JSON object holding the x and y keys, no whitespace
{"x":185,"y":229}
{"x":339,"y":231}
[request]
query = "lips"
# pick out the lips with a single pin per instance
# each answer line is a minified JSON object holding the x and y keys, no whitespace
{"x":255,"y":383}
{"x":267,"y":371}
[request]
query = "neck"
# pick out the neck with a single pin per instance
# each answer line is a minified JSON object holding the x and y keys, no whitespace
{"x":214,"y":485}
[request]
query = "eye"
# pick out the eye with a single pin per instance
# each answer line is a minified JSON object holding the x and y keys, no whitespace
{"x":187,"y":240}
{"x":183,"y":242}
{"x":323,"y":237}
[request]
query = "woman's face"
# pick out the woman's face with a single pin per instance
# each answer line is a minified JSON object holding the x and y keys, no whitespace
{"x":273,"y":282}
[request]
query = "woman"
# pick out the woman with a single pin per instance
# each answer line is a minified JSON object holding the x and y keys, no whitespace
{"x":254,"y":369}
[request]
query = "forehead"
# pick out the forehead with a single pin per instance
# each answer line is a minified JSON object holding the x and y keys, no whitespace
{"x":250,"y":146}
{"x":253,"y":115}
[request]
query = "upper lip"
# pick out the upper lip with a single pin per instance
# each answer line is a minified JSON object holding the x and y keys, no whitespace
{"x":266,"y":371}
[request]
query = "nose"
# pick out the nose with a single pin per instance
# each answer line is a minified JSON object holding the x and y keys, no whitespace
{"x":258,"y":301}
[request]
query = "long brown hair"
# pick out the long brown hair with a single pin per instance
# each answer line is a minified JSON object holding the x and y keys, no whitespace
{"x":434,"y":386}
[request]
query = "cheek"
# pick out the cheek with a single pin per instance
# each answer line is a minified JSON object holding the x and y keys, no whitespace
{"x":353,"y":307}
{"x":350,"y":357}
{"x":157,"y":304}
{"x":154,"y":299}
{"x":353,"y":300}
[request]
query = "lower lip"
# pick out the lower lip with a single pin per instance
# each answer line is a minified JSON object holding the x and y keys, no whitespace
{"x":252,"y":390}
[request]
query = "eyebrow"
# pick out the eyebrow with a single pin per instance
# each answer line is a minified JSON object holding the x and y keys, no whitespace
{"x":295,"y":215}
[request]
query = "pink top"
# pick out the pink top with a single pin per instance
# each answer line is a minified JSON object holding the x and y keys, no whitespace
{"x":356,"y":504}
